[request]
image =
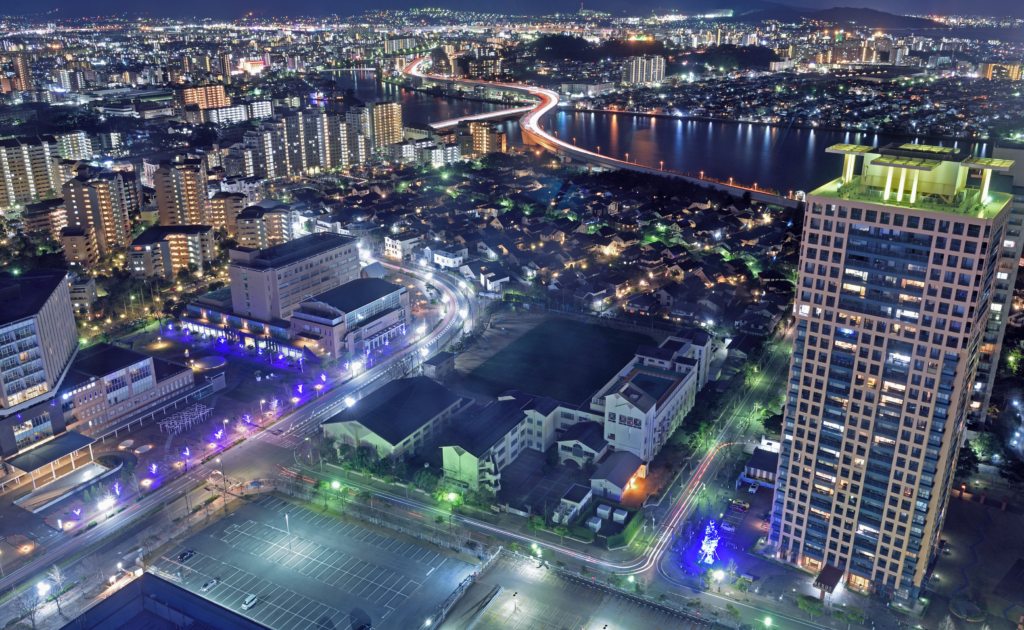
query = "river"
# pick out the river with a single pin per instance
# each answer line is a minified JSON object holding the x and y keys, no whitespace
{"x":771,"y":157}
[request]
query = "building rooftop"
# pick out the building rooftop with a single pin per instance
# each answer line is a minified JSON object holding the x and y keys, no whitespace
{"x":481,"y":432}
{"x":158,"y":233}
{"x":576,"y":494}
{"x":357,"y":293}
{"x":590,"y":434}
{"x":917,"y":177}
{"x":618,"y":468}
{"x":399,"y":408}
{"x":22,"y":295}
{"x":104,"y":358}
{"x":293,"y":251}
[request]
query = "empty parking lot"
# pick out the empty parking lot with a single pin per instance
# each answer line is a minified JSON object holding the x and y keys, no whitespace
{"x":313,"y":571}
{"x":538,"y":598}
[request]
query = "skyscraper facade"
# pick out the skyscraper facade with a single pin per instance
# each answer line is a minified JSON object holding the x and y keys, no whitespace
{"x":897,"y":269}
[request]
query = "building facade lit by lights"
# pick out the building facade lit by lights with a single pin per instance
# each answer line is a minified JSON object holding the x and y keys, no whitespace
{"x":267,"y":286}
{"x":898,"y":264}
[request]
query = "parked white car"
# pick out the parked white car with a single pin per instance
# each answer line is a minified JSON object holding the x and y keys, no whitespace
{"x":754,"y":486}
{"x":728,"y":527}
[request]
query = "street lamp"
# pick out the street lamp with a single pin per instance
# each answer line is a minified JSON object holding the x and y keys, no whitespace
{"x":288,"y":527}
{"x":261,"y":406}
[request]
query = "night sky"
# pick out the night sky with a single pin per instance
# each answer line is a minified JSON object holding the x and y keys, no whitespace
{"x":230,"y":9}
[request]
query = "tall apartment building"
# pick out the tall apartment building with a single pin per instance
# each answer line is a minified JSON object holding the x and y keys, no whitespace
{"x":28,"y":170}
{"x":1005,"y":71}
{"x":164,"y":250}
{"x":76,"y":145}
{"x":399,"y":43}
{"x":387,"y":124}
{"x":96,"y":199}
{"x":48,"y":216}
{"x":38,"y":340}
{"x":265,"y":154}
{"x":226,"y":67}
{"x":897,"y":271}
{"x":486,"y":138}
{"x":23,"y":74}
{"x":180,"y":191}
{"x":1006,"y":277}
{"x":264,"y":225}
{"x":643,"y":70}
{"x":204,"y":97}
{"x":225,"y":208}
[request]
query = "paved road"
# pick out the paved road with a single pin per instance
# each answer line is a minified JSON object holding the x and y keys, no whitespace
{"x":263,"y":455}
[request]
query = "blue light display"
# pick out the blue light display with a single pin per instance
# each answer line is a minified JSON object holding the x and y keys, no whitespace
{"x":709,"y":546}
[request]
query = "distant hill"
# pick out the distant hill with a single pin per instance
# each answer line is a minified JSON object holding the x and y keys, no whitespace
{"x":842,"y":15}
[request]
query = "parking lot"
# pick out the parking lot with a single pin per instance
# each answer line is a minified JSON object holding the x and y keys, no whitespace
{"x":312,"y":570}
{"x":535,"y":598}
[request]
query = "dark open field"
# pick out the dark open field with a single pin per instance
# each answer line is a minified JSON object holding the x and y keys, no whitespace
{"x":564,"y":359}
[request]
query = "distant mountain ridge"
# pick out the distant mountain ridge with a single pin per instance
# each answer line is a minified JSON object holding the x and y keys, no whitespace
{"x":841,"y":15}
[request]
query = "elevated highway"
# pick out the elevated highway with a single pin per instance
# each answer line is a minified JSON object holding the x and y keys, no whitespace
{"x":534,"y":134}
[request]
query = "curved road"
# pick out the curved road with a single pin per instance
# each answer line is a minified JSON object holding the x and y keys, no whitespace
{"x":242,"y":461}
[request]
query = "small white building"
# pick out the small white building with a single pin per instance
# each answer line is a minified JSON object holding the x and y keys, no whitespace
{"x":448,"y":260}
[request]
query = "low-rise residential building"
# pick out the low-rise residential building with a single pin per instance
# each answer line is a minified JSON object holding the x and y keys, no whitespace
{"x":354,"y":319}
{"x":398,"y":419}
{"x":401,"y":245}
{"x":448,"y":260}
{"x":164,"y":250}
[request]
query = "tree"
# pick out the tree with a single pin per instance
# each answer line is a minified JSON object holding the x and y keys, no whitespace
{"x":562,"y":532}
{"x":986,"y":445}
{"x":1011,"y":469}
{"x":773,"y":424}
{"x":58,"y":577}
{"x":966,"y":463}
{"x":732,"y":612}
{"x":707,"y":577}
{"x":535,"y":523}
{"x":615,"y":580}
{"x":947,"y":623}
{"x":27,"y":604}
{"x":810,"y":605}
{"x":91,"y":566}
{"x":730,"y":568}
{"x":854,"y":615}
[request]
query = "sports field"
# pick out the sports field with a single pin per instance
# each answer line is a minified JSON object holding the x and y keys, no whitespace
{"x":564,"y":359}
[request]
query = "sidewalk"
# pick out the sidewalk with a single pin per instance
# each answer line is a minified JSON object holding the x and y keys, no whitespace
{"x":775,"y":596}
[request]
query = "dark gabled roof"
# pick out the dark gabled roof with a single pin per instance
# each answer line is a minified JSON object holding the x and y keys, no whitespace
{"x":480,"y":433}
{"x":763,"y":460}
{"x":23,"y":295}
{"x":399,"y":408}
{"x":618,"y":468}
{"x":590,"y":434}
{"x":357,"y":293}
